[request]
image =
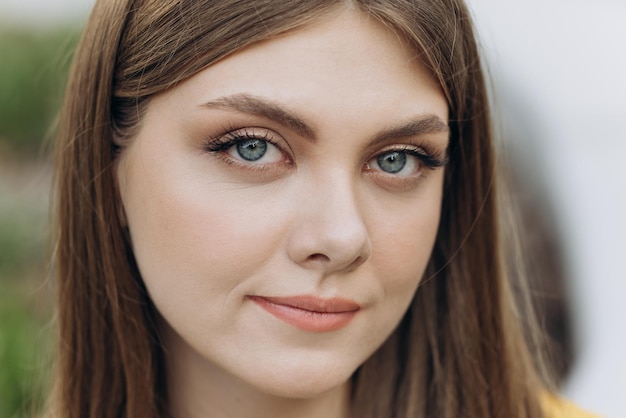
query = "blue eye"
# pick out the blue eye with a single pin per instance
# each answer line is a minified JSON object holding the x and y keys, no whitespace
{"x":251,"y":149}
{"x":392,"y":162}
{"x":402,"y":162}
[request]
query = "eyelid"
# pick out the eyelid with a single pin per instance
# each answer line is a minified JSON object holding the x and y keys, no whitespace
{"x":219,"y":146}
{"x":427,"y":157}
{"x":231,"y":135}
{"x":430,"y":156}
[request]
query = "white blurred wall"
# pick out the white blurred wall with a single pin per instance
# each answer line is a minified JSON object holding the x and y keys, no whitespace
{"x":559,"y":70}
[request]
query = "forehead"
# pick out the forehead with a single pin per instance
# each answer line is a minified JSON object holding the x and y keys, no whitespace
{"x":337,"y":68}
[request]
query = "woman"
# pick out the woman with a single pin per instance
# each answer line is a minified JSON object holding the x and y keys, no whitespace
{"x":282,"y":209}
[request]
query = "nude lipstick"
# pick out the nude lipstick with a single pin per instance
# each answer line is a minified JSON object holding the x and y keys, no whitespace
{"x":310,"y":313}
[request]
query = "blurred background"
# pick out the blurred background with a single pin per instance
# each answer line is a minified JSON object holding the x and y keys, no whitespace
{"x":36,"y":40}
{"x":558,"y":83}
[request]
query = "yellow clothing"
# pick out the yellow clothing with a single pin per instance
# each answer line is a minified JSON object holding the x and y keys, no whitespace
{"x":559,"y":408}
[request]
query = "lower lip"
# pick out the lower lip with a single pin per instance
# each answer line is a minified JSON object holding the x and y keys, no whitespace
{"x":306,"y":320}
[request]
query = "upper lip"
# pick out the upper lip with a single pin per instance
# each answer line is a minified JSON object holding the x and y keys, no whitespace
{"x":314,"y":303}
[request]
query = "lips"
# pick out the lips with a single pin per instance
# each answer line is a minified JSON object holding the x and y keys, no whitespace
{"x":310,"y":313}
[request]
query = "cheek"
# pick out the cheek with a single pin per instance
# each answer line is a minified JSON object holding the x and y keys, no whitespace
{"x":403,"y":234}
{"x":403,"y":243}
{"x":195,"y":239}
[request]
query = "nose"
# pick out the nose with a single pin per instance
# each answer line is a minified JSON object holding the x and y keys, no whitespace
{"x":330,"y":234}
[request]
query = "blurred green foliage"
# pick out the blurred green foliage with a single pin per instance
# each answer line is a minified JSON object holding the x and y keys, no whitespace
{"x":24,"y":351}
{"x":25,"y":309}
{"x":21,"y":242}
{"x":33,"y":69}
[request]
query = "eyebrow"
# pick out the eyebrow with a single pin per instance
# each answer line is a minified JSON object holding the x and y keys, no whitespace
{"x":260,"y":107}
{"x":427,"y":124}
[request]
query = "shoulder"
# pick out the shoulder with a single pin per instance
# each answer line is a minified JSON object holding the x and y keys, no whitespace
{"x":556,"y":407}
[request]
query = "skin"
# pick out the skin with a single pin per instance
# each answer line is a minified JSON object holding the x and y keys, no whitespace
{"x":315,"y":216}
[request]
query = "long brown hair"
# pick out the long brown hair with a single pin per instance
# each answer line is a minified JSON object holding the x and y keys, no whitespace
{"x":458,"y":352}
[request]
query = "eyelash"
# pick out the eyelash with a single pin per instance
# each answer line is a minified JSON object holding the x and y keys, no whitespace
{"x":230,"y":138}
{"x":233,"y":136}
{"x":429,"y":158}
{"x":423,"y":152}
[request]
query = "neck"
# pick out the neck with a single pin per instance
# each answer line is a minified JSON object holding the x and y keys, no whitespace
{"x":197,"y":388}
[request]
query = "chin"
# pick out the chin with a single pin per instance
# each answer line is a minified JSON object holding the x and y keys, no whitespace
{"x":302,"y":382}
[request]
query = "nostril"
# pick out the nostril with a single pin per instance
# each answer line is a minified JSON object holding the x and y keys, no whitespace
{"x":356,"y":263}
{"x":318,"y":257}
{"x":323,"y":259}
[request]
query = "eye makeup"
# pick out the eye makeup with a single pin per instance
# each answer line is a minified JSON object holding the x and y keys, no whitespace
{"x":401,"y":168}
{"x":424,"y":154}
{"x":250,"y":148}
{"x":397,"y":167}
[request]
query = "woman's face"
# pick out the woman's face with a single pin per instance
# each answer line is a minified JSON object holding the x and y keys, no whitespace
{"x":283,"y":204}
